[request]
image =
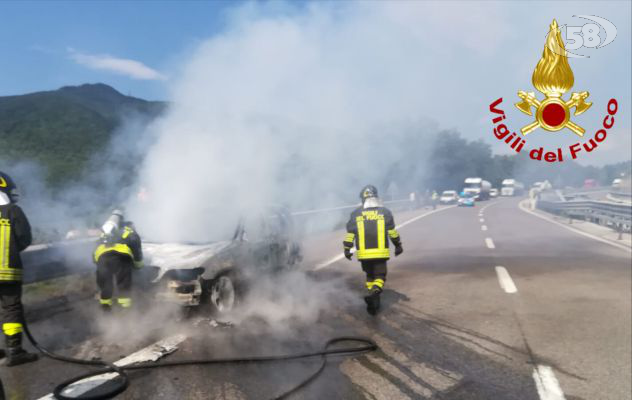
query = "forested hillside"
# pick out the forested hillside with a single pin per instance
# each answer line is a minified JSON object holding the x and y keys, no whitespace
{"x":63,"y":129}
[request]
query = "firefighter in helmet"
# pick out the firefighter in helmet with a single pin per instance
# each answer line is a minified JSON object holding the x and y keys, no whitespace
{"x":117,"y":254}
{"x":369,"y":227}
{"x":15,"y":236}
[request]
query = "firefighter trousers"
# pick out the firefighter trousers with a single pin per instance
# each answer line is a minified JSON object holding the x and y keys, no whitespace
{"x":375,"y":271}
{"x":115,"y":266}
{"x":12,"y":310}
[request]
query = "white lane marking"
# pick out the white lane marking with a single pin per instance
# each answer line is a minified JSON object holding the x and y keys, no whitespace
{"x":505,"y":281}
{"x":410,"y":221}
{"x":482,"y":219}
{"x":403,"y":224}
{"x":588,"y":235}
{"x":396,"y":373}
{"x":493,"y":203}
{"x":483,"y":227}
{"x":150,"y":353}
{"x":439,"y":380}
{"x":547,"y":384}
{"x":378,"y":386}
{"x":490,"y":243}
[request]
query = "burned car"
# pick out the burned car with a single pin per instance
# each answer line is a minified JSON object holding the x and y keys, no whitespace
{"x":216,"y":274}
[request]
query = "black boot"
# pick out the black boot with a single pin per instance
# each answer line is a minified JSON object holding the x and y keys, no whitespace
{"x":3,"y":354}
{"x":17,"y":355}
{"x":373,"y":301}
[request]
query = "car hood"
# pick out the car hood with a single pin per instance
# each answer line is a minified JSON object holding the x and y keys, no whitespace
{"x":169,"y":256}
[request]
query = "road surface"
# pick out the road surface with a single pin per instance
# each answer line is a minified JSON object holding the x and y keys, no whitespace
{"x":488,"y":302}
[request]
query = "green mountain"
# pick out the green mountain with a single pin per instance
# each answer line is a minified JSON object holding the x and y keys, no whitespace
{"x":63,"y":129}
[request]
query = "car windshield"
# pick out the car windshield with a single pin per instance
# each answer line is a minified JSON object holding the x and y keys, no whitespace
{"x":467,"y":195}
{"x":449,"y":193}
{"x":209,"y":227}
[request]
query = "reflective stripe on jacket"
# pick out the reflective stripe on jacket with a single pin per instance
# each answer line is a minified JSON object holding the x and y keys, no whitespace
{"x":370,"y":229}
{"x":127,"y":243}
{"x":15,"y":236}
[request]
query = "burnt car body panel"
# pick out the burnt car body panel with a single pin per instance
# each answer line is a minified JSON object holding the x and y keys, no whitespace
{"x":185,"y":273}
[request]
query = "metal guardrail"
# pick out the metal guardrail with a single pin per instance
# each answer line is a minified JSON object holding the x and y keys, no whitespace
{"x":615,"y":215}
{"x":350,"y":207}
{"x":53,"y":260}
{"x":43,"y":262}
{"x":620,"y":196}
{"x":321,"y":220}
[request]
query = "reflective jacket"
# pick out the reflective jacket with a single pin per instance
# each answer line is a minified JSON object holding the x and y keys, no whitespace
{"x":370,"y":229}
{"x":15,"y":236}
{"x":125,"y":242}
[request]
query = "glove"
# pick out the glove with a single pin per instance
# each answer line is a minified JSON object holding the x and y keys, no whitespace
{"x":348,"y":254}
{"x":398,"y":250}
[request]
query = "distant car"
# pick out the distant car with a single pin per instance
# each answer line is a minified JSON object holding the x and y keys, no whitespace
{"x":617,"y":183}
{"x":493,"y":192}
{"x":466,"y":200}
{"x":449,"y":197}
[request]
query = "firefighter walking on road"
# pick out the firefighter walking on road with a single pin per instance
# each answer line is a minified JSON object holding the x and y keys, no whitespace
{"x":118,"y":253}
{"x":15,"y":236}
{"x":369,"y":228}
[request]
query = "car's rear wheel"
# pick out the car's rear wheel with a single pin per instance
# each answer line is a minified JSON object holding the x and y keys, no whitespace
{"x":223,"y":294}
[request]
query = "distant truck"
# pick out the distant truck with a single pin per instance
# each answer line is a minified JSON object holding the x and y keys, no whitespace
{"x":511,"y":187}
{"x":590,"y":184}
{"x":478,"y":187}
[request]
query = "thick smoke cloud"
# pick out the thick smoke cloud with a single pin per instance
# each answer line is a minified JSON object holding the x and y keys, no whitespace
{"x":300,"y":106}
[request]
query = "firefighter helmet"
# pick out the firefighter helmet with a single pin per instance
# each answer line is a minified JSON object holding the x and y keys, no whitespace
{"x":367,"y":192}
{"x":8,"y":188}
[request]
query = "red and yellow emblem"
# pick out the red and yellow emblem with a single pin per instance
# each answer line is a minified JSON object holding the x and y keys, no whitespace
{"x":553,"y":77}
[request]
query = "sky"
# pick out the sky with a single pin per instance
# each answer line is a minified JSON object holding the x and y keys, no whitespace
{"x":477,"y":52}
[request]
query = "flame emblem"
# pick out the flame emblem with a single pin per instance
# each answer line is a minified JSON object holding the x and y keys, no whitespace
{"x":553,"y":77}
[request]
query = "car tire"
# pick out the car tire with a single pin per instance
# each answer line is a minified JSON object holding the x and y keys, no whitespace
{"x":222,"y":294}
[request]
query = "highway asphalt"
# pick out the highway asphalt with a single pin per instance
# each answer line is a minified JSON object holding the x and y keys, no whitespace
{"x":485,"y":303}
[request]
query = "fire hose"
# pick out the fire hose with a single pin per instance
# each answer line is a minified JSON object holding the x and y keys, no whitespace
{"x":367,"y":345}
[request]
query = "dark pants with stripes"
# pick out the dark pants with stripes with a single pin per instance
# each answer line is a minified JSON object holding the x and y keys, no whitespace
{"x":375,"y":271}
{"x":12,"y":311}
{"x":112,"y":266}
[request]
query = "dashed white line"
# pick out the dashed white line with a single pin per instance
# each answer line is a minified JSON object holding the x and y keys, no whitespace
{"x":482,"y":219}
{"x":403,"y":224}
{"x":547,"y":384}
{"x":490,"y":243}
{"x":489,"y":205}
{"x":505,"y":281}
{"x":483,"y":227}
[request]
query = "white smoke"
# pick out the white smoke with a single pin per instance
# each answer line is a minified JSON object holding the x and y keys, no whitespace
{"x":295,"y":103}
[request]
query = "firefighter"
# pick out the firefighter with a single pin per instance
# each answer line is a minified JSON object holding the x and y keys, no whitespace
{"x":435,"y":199}
{"x":117,"y":254}
{"x":15,"y":236}
{"x":369,"y":227}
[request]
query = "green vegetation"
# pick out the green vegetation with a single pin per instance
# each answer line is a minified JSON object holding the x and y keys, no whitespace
{"x":62,"y":130}
{"x":452,"y":158}
{"x":69,"y":132}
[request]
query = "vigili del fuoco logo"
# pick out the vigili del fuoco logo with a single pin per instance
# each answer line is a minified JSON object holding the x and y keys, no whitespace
{"x":553,"y":77}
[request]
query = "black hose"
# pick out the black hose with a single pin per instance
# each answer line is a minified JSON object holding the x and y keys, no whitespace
{"x":369,"y":345}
